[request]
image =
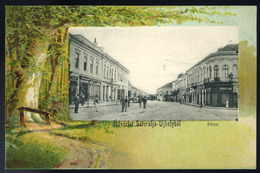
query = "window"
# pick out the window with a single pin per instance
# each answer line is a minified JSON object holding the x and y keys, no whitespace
{"x":216,"y":71}
{"x":77,"y":60}
{"x":85,"y":63}
{"x":96,"y":68}
{"x":225,"y":71}
{"x":204,"y":68}
{"x":201,"y":75}
{"x":234,"y":70}
{"x":91,"y":65}
{"x":115,"y":76}
{"x":197,"y":75}
{"x":105,"y":71}
{"x":210,"y":72}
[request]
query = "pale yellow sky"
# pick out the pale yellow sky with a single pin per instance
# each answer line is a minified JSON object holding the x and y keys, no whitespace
{"x":146,"y":50}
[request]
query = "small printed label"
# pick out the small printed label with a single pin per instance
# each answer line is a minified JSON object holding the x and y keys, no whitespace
{"x":212,"y":124}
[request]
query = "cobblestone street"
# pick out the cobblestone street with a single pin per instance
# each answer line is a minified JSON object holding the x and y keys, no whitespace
{"x":155,"y":110}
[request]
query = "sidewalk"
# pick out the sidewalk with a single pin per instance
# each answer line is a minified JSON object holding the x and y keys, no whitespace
{"x":209,"y":107}
{"x":108,"y":103}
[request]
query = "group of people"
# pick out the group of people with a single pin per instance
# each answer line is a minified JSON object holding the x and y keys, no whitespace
{"x":142,"y":99}
{"x":125,"y":102}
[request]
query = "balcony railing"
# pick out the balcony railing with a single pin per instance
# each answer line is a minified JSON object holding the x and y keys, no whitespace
{"x":216,"y":79}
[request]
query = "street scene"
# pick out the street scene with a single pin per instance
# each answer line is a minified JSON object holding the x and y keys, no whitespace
{"x":155,"y":110}
{"x":154,"y":73}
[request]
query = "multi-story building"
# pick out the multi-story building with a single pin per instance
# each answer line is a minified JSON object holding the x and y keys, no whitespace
{"x":212,"y":81}
{"x":94,"y":73}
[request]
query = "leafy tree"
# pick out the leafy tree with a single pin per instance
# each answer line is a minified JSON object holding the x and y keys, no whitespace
{"x":36,"y":42}
{"x":247,"y":77}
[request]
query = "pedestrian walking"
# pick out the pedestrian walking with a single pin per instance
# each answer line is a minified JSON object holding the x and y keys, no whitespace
{"x":123,"y":102}
{"x":76,"y":102}
{"x":126,"y":103}
{"x":96,"y":102}
{"x":140,"y":100}
{"x":201,"y":104}
{"x":144,"y":101}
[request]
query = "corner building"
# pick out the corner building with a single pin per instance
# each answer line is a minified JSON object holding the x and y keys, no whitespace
{"x":94,"y":73}
{"x":212,"y":81}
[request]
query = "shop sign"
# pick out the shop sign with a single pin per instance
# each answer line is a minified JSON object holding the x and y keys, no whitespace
{"x":73,"y":78}
{"x":84,"y":78}
{"x":223,"y":88}
{"x":82,"y":81}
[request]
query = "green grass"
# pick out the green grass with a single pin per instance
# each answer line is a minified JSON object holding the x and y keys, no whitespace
{"x":78,"y":129}
{"x":34,"y":151}
{"x":71,"y":133}
{"x":76,"y":124}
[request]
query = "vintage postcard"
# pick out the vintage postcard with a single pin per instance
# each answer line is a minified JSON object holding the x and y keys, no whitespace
{"x":178,"y":70}
{"x":130,"y":87}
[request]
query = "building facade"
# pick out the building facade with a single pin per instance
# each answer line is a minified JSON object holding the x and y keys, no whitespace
{"x":93,"y":73}
{"x":164,"y":91}
{"x":212,"y":81}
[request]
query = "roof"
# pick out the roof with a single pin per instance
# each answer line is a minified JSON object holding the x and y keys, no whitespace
{"x":168,"y":85}
{"x":85,"y":41}
{"x":230,"y":49}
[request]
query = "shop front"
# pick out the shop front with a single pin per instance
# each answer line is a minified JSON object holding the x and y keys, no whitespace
{"x":84,"y":89}
{"x":221,"y":95}
{"x":89,"y":89}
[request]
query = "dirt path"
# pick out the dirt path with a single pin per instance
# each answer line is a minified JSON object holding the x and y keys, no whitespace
{"x":81,"y":154}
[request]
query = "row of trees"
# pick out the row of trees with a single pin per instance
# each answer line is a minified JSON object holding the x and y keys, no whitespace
{"x":37,"y":62}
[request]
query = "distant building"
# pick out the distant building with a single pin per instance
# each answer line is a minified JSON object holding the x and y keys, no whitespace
{"x":95,"y":73}
{"x":163,"y":91}
{"x":212,"y":81}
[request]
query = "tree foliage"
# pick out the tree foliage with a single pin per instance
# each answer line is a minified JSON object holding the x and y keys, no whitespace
{"x":37,"y":42}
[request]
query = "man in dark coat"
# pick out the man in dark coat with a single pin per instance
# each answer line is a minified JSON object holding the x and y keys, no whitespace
{"x":140,"y":100}
{"x":144,"y":101}
{"x":123,"y":102}
{"x":76,"y":102}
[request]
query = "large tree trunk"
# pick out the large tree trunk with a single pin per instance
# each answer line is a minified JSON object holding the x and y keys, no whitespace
{"x":32,"y":93}
{"x":28,"y":90}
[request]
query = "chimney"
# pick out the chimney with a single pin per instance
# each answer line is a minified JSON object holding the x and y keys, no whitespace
{"x":95,"y":41}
